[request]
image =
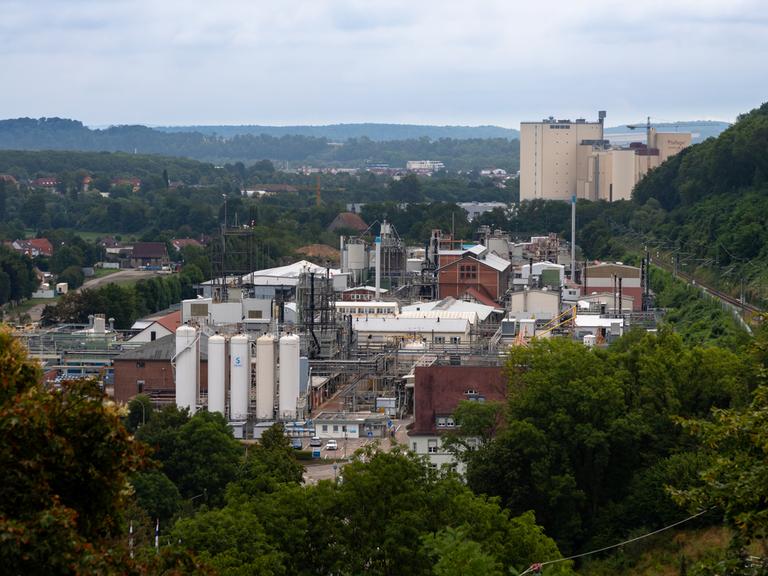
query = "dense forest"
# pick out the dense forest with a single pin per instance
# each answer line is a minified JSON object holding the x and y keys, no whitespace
{"x":294,"y":150}
{"x":342,"y":132}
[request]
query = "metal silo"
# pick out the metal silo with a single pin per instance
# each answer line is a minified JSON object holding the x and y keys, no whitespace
{"x":217,"y":368}
{"x":239,"y":376}
{"x":289,"y":376}
{"x":265,"y":377}
{"x":187,"y":364}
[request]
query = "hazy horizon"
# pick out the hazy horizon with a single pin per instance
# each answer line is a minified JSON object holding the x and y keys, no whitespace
{"x":320,"y":62}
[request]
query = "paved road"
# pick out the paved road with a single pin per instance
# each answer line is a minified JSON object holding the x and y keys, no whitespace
{"x":129,"y":274}
{"x":320,"y":470}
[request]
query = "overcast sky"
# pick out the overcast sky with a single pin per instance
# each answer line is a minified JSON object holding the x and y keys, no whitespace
{"x":472,"y":62}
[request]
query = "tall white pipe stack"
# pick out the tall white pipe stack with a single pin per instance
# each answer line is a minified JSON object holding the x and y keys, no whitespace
{"x":217,"y":369}
{"x":239,"y":376}
{"x":265,"y":377}
{"x":378,"y":267}
{"x":187,"y":365}
{"x":289,"y":376}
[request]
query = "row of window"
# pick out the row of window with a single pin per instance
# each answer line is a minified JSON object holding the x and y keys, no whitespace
{"x":441,"y":340}
{"x":468,"y":271}
{"x":352,"y":429}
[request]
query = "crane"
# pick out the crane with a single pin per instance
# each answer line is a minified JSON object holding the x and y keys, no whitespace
{"x":647,"y":130}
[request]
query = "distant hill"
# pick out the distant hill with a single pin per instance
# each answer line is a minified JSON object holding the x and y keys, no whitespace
{"x":699,"y":129}
{"x":342,"y":132}
{"x":285,"y":151}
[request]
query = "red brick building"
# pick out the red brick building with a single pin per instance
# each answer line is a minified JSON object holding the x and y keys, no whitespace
{"x":147,"y":370}
{"x":460,"y":271}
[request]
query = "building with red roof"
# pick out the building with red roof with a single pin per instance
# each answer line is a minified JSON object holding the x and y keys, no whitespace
{"x":33,"y":247}
{"x":437,"y":392}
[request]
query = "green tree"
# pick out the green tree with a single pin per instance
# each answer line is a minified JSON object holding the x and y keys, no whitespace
{"x":156,"y":494}
{"x":198,"y":454}
{"x":458,"y":555}
{"x":64,"y":463}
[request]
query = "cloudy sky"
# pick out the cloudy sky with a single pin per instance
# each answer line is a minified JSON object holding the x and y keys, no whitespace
{"x":411,"y":61}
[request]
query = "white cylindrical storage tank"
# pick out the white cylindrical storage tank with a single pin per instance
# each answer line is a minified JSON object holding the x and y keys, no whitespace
{"x":265,"y":377}
{"x":289,"y":376}
{"x":187,"y":361}
{"x":239,"y":376}
{"x":356,"y":256}
{"x":217,"y":368}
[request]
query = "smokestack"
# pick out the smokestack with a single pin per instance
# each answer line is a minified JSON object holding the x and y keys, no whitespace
{"x":573,"y":236}
{"x":620,"y":303}
{"x":530,"y":271}
{"x":378,"y":267}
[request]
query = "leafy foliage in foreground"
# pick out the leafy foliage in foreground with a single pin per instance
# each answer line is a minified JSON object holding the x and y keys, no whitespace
{"x":590,"y":437}
{"x":391,"y":514}
{"x":64,"y":463}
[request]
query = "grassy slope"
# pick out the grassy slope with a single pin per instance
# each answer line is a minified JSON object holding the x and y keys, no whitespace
{"x":661,"y":555}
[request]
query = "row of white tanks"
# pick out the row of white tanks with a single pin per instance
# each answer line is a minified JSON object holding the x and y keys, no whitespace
{"x":239,"y":372}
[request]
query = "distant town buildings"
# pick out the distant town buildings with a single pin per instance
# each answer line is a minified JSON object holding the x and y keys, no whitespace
{"x":424,"y":166}
{"x":560,"y":159}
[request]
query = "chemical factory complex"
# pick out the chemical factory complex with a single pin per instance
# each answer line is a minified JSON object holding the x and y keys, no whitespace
{"x":397,"y":336}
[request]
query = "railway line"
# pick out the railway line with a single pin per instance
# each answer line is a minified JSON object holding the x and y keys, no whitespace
{"x":747,"y":313}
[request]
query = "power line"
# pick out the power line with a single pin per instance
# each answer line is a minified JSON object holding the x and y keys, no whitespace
{"x":536,"y":567}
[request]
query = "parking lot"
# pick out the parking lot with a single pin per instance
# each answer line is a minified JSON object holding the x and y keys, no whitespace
{"x":323,"y":468}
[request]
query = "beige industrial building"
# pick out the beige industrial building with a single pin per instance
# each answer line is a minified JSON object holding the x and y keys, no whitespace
{"x":560,"y":159}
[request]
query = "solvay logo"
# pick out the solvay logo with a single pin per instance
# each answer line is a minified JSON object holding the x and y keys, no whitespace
{"x":237,"y":362}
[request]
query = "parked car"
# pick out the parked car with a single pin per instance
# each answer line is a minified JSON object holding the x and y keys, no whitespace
{"x":296,"y":444}
{"x":331,"y":445}
{"x":315,"y":441}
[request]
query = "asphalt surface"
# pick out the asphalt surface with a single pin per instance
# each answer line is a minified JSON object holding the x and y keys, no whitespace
{"x":323,"y":469}
{"x":36,"y":311}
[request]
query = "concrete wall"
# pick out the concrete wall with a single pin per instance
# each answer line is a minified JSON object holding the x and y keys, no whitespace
{"x":549,"y":159}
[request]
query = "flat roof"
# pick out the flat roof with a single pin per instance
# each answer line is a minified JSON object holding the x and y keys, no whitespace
{"x":399,"y":324}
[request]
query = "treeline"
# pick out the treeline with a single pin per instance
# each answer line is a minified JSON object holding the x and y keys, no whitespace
{"x":341,"y":132}
{"x":389,"y":514}
{"x":63,"y":134}
{"x":124,"y":303}
{"x":590,"y":439}
{"x":17,"y":276}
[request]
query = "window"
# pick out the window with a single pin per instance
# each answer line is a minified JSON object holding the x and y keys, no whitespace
{"x":439,"y":340}
{"x":140,"y":386}
{"x":445,"y":422}
{"x":343,"y":428}
{"x":335,"y":428}
{"x":415,"y":449}
{"x":325,"y":427}
{"x":432,"y":446}
{"x":455,"y":340}
{"x":198,"y":309}
{"x":254,"y":314}
{"x":152,"y":336}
